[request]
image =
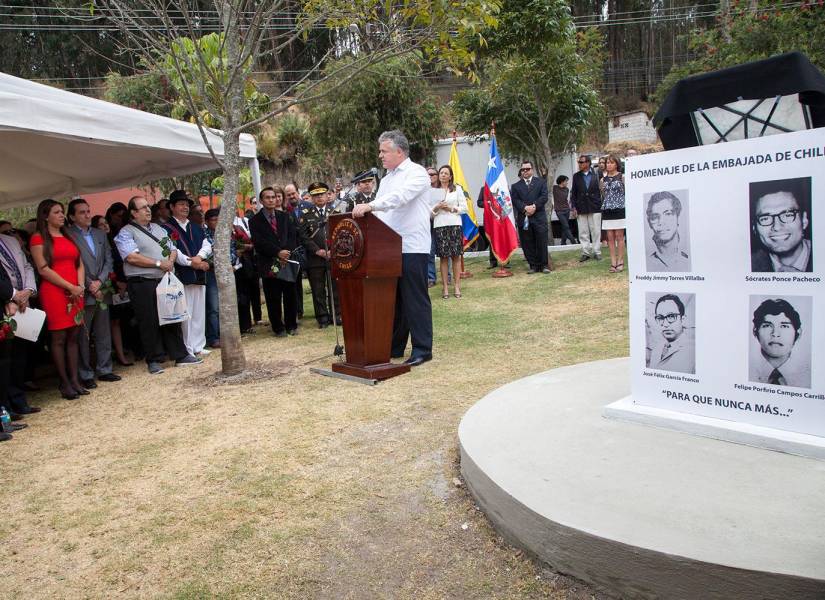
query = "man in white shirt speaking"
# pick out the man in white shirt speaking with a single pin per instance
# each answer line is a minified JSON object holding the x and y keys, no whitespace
{"x":403,"y":203}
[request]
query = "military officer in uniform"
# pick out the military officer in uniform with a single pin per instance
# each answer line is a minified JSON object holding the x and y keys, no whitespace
{"x":312,"y":232}
{"x":364,"y":184}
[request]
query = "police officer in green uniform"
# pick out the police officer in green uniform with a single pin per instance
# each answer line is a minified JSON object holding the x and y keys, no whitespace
{"x":312,"y":232}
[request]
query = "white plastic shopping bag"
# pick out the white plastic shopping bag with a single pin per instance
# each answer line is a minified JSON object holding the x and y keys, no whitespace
{"x":171,"y":300}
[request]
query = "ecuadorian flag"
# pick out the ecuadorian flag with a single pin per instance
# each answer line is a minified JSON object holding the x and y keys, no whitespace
{"x":469,"y":225}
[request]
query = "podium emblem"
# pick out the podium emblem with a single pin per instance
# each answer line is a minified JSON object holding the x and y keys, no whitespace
{"x":347,"y":245}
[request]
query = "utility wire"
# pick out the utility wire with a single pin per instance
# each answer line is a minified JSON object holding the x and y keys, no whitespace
{"x":608,"y":20}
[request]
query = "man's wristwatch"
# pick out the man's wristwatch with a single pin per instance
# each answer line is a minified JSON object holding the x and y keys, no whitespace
{"x":157,"y":264}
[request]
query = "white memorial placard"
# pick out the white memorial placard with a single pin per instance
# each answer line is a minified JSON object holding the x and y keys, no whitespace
{"x":29,"y":323}
{"x":727,"y":302}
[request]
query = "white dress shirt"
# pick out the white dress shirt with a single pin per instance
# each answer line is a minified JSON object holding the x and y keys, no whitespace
{"x":795,"y":371}
{"x":798,"y":266}
{"x":403,"y":203}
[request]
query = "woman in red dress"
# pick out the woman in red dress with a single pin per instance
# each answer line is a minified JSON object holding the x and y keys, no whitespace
{"x":57,"y":259}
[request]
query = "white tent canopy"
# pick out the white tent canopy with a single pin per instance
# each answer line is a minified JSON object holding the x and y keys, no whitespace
{"x":54,"y":143}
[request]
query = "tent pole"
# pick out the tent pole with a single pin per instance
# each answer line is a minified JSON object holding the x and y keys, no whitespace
{"x":256,"y":176}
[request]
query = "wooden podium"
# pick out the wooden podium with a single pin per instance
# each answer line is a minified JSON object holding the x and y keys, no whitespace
{"x":366,"y":262}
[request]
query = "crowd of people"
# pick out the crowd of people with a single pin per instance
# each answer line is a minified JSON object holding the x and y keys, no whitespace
{"x":95,"y":276}
{"x":593,"y":200}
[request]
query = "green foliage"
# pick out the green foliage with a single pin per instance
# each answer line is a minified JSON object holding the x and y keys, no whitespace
{"x":35,"y":43}
{"x":18,"y":215}
{"x":149,"y":92}
{"x":525,"y":24}
{"x":245,"y":186}
{"x":539,"y":90}
{"x":285,"y":140}
{"x":743,"y":36}
{"x":447,"y":32}
{"x":182,"y":65}
{"x":390,"y":95}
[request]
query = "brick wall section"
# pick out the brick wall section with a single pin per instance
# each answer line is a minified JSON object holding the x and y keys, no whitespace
{"x":631,"y":127}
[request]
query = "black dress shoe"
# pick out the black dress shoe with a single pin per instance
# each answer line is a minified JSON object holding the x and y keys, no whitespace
{"x":110,"y":377}
{"x":5,"y":437}
{"x":414,"y":361}
{"x":89,"y":384}
{"x":30,"y":410}
{"x":69,"y":394}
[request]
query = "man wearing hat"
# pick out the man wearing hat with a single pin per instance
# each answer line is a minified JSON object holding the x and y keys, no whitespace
{"x":312,"y":233}
{"x":364,"y":189}
{"x":191,"y":266}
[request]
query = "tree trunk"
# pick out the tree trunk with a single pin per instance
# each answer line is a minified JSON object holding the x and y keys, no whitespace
{"x":233,"y":360}
{"x":551,"y":162}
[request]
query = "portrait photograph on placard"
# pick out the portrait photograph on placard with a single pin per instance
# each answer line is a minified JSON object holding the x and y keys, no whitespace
{"x":781,"y":223}
{"x":670,"y":324}
{"x":667,"y":231}
{"x":779,"y":348}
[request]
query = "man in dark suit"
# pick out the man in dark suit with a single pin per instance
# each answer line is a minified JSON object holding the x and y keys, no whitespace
{"x":274,"y":236}
{"x":21,"y":275}
{"x":529,"y":197}
{"x":586,"y":199}
{"x":7,"y":293}
{"x":96,"y":254}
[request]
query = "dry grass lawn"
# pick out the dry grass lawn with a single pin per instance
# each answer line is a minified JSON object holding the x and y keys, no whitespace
{"x":293,"y":485}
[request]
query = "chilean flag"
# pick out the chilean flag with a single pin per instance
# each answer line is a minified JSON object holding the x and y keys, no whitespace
{"x":499,"y":224}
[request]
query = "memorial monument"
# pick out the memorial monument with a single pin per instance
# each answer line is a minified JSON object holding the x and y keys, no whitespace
{"x":706,"y":479}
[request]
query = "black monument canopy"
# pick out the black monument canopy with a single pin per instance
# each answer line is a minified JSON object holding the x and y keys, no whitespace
{"x":767,"y":80}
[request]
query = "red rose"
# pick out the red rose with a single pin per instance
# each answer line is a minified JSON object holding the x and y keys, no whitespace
{"x":173,"y":235}
{"x":113,"y":276}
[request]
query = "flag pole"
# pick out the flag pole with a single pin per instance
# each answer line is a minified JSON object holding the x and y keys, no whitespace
{"x":502,"y":272}
{"x":463,"y":273}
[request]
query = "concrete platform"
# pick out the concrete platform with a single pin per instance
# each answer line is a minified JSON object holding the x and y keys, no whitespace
{"x":791,"y":442}
{"x":638,"y":511}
